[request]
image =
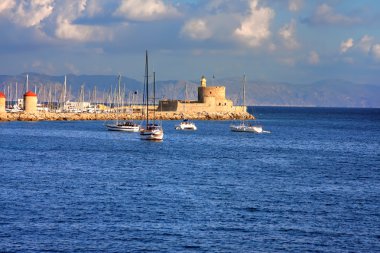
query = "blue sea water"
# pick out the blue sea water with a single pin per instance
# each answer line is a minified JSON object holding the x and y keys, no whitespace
{"x":312,"y":184}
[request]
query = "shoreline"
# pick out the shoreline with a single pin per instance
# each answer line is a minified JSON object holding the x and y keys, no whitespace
{"x":50,"y":116}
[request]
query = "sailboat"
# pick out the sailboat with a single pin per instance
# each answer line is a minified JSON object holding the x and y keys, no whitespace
{"x":186,"y":124}
{"x":125,"y":126}
{"x":151,"y":130}
{"x":243,"y":126}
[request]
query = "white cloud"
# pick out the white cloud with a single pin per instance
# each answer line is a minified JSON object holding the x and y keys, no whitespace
{"x":70,"y":10}
{"x":325,"y":14}
{"x":146,"y":10}
{"x":6,"y":5}
{"x":254,"y":29}
{"x":314,"y":58}
{"x":93,"y":7}
{"x":68,"y":30}
{"x":27,"y":13}
{"x":376,"y":51}
{"x":295,"y":5}
{"x":196,"y":29}
{"x":365,"y":43}
{"x":346,"y":45}
{"x":287,"y":33}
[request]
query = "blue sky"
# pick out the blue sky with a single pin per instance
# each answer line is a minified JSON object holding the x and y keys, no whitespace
{"x":298,"y":41}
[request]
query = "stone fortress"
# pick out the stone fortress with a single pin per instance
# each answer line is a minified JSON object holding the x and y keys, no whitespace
{"x":211,"y":99}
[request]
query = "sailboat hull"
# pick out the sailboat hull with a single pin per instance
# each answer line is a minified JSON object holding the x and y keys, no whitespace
{"x":152,"y":135}
{"x":123,"y":128}
{"x":246,"y":128}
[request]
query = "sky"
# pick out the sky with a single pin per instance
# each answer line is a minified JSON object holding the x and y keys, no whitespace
{"x":297,"y":41}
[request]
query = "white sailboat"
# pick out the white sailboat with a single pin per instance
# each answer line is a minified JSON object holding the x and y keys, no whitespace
{"x":186,"y":124}
{"x":125,"y":126}
{"x":243,"y":126}
{"x":151,"y":130}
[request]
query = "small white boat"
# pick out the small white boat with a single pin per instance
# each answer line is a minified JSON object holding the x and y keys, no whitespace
{"x":186,"y":125}
{"x":247,"y":128}
{"x":125,"y":126}
{"x":152,"y":132}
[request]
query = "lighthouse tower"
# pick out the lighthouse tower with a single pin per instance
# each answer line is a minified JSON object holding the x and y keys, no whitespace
{"x":203,"y":81}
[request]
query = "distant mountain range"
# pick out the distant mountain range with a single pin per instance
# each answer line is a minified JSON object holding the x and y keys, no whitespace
{"x":326,"y":93}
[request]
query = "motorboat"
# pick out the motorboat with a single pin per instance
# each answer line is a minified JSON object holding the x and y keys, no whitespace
{"x":186,"y":125}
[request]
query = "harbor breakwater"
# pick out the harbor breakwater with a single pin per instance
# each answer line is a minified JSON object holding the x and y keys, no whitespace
{"x":50,"y":116}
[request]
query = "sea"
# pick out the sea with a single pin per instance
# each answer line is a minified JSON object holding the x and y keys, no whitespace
{"x":310,"y":185}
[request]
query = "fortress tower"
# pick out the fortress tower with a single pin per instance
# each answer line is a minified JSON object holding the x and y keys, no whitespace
{"x":212,"y":96}
{"x":30,"y":102}
{"x":2,"y":102}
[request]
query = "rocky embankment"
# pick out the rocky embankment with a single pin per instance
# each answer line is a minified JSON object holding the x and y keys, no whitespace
{"x":45,"y":116}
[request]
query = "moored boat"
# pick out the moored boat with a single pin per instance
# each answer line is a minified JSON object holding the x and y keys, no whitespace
{"x":125,"y":126}
{"x":244,"y":126}
{"x":186,"y":125}
{"x":151,"y":131}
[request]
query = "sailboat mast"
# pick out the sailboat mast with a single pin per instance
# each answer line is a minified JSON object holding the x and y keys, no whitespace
{"x":147,"y":87}
{"x":154,"y":97}
{"x":118,"y":96}
{"x":27,"y":83}
{"x":184,"y":104}
{"x":244,"y":90}
{"x":16,"y":95}
{"x":64,"y":94}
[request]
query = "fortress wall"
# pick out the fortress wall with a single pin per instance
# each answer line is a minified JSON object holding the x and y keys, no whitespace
{"x":209,"y":106}
{"x":209,"y":101}
{"x":168,"y":105}
{"x":204,"y":107}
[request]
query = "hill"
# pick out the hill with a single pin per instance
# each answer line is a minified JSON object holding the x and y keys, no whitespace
{"x":325,"y":93}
